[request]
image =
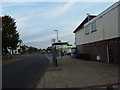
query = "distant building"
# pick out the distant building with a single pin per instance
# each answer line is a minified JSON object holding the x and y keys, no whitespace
{"x":26,"y":48}
{"x":18,"y":49}
{"x":99,"y":36}
{"x":32,"y":49}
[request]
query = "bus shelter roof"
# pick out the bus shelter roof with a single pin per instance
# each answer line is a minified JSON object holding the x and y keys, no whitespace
{"x":60,"y":43}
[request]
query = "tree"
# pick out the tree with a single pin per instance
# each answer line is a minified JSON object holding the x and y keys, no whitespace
{"x":0,"y":35}
{"x":10,"y":36}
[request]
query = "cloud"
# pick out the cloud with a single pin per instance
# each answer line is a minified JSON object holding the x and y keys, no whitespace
{"x":46,"y":37}
{"x":0,"y":9}
{"x":37,"y":21}
{"x":59,"y":10}
{"x":8,"y":4}
{"x":29,"y":23}
{"x":40,"y":41}
{"x":45,"y":41}
{"x":60,"y":0}
{"x":41,"y":38}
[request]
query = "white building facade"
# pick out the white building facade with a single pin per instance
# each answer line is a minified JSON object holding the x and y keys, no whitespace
{"x":18,"y":49}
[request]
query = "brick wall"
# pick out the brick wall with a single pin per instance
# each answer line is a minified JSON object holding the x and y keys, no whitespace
{"x":101,"y":49}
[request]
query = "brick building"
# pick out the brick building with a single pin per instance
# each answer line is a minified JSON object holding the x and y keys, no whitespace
{"x":99,"y":36}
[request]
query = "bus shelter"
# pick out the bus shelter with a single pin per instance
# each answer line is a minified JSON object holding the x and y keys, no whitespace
{"x":55,"y":52}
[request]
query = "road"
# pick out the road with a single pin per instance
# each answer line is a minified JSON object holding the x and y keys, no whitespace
{"x":24,"y":73}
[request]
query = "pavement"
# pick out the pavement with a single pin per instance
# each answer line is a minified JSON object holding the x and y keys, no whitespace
{"x":76,"y":73}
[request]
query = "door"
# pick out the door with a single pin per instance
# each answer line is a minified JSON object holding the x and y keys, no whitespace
{"x":110,"y":53}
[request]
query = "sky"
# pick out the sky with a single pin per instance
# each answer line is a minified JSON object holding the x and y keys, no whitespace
{"x":36,"y":21}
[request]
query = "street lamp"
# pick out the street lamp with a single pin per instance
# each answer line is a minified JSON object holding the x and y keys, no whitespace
{"x":57,"y":34}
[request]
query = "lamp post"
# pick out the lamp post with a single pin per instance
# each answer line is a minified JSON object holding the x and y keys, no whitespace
{"x":57,"y":34}
{"x":55,"y":51}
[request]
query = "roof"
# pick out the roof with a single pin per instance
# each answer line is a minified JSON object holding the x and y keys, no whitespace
{"x":19,"y":40}
{"x":60,"y":43}
{"x":84,"y":21}
{"x":32,"y":47}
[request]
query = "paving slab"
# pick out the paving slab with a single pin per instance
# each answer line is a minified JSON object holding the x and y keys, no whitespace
{"x":76,"y":73}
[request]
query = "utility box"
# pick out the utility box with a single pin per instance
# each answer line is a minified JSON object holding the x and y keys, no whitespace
{"x":98,"y":58}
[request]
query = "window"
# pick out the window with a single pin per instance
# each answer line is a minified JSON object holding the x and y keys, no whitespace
{"x":86,"y":30}
{"x":93,"y":27}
